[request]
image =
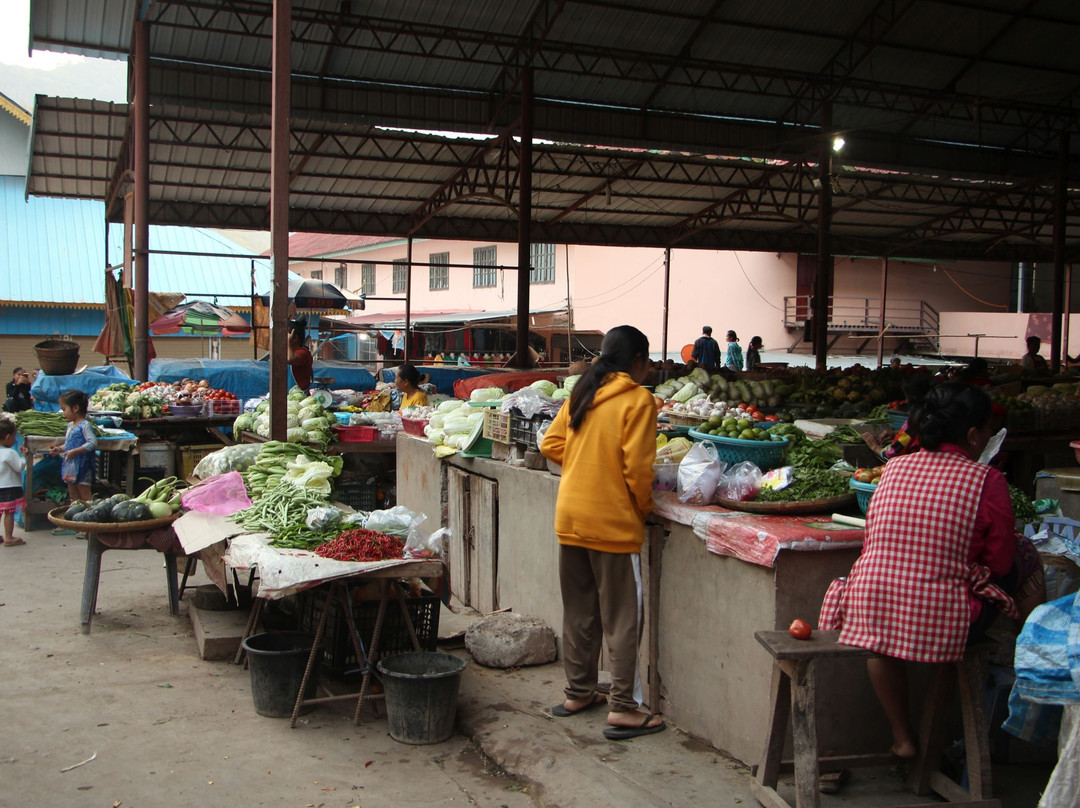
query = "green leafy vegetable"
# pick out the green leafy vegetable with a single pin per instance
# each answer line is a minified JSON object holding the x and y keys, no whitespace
{"x":807,"y":484}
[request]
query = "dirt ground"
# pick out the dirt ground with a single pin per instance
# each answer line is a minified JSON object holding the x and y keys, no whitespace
{"x":130,"y":716}
{"x":160,"y":727}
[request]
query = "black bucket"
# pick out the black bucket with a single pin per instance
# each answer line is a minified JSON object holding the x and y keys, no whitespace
{"x":421,"y":695}
{"x":277,"y":661}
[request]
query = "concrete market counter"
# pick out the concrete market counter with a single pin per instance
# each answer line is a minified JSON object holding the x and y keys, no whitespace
{"x":700,"y":664}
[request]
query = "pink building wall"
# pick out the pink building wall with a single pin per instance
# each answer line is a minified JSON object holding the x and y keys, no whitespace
{"x":744,"y":291}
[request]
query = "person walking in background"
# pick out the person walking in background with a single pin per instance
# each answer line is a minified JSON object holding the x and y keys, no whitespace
{"x":18,"y":392}
{"x":733,"y":358}
{"x":605,"y":440}
{"x":12,"y":497}
{"x":80,"y":445}
{"x":706,"y":350}
{"x":753,"y":353}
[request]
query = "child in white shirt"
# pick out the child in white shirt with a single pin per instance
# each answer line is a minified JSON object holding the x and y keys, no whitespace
{"x":12,"y":496}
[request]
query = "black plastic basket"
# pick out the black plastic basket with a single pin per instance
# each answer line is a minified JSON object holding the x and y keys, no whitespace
{"x":337,"y":648}
{"x":523,"y":430}
{"x":357,"y":494}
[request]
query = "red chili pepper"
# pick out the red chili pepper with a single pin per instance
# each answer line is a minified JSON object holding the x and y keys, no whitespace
{"x":362,"y":545}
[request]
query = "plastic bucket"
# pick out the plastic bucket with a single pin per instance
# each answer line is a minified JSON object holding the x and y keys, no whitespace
{"x":421,"y":695}
{"x":277,"y":661}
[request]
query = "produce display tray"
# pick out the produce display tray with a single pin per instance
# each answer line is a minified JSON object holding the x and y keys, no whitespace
{"x":56,"y":516}
{"x":825,"y":505}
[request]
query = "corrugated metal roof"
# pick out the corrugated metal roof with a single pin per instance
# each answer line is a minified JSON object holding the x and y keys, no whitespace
{"x":941,"y":92}
{"x":54,"y":254}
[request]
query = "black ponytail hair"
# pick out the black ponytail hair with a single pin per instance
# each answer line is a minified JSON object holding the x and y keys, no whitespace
{"x":76,"y":399}
{"x":947,"y":413}
{"x":622,"y":346}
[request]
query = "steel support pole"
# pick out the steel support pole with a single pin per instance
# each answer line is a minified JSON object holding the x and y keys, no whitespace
{"x":881,"y":312}
{"x":823,"y":281}
{"x":279,"y":216}
{"x":140,"y":285}
{"x":667,"y":291}
{"x":1060,"y":309}
{"x":408,"y":299}
{"x":521,"y":351}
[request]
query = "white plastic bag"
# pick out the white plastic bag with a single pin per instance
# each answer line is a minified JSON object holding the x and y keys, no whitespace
{"x":396,"y":521}
{"x":420,"y":544}
{"x":699,"y":472}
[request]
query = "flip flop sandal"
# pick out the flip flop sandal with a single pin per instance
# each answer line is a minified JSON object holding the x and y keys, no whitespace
{"x":14,"y":543}
{"x":560,"y":711}
{"x":625,"y":733}
{"x":62,"y":531}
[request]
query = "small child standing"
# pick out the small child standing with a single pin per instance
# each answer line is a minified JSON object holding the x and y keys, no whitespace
{"x":80,"y":444}
{"x":11,"y":490}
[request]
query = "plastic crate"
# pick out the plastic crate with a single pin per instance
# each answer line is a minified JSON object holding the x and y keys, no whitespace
{"x":358,"y":494}
{"x":765,"y":454}
{"x":191,"y":455}
{"x":523,"y":430}
{"x":863,"y":492}
{"x":497,"y":426}
{"x":356,"y":434}
{"x":414,"y":426}
{"x":224,"y":406}
{"x":337,"y":648}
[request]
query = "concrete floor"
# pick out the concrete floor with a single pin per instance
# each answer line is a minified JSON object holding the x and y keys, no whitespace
{"x":165,"y":728}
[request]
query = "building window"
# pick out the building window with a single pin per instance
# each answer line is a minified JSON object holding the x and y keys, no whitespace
{"x":542,"y":263}
{"x":401,"y":268}
{"x":439,"y":272}
{"x":316,"y":274}
{"x":341,"y":277}
{"x":483,"y":261}
{"x":367,"y":279}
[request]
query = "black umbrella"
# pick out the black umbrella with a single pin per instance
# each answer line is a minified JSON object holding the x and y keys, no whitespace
{"x":308,"y":293}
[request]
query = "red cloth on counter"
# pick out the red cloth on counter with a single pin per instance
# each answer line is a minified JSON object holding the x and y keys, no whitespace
{"x":752,"y":537}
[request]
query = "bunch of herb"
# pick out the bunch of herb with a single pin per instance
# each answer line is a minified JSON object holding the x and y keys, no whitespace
{"x":808,"y":484}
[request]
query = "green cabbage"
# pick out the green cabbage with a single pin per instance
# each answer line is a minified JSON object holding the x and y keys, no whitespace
{"x":685,"y":393}
{"x":569,"y":382}
{"x":296,"y":394}
{"x":699,"y":376}
{"x":560,"y":394}
{"x":544,"y":386}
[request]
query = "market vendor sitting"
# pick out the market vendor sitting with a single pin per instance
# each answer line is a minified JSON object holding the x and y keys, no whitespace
{"x":1033,"y":363}
{"x":941,"y":558}
{"x":408,"y":381}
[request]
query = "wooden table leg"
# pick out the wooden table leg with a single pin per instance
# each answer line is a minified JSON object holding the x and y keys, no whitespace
{"x":91,"y":576}
{"x":804,"y":735}
{"x":932,"y":728}
{"x":768,"y":772}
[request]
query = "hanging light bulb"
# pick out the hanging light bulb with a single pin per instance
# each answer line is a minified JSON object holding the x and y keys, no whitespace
{"x":838,"y":143}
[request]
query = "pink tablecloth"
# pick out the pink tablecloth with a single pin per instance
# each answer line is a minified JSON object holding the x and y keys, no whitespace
{"x":756,"y":538}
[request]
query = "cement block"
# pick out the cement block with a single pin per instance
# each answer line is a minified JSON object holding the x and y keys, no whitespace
{"x":217,"y":633}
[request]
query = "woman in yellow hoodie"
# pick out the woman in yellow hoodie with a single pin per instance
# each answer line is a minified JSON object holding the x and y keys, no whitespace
{"x":604,"y":438}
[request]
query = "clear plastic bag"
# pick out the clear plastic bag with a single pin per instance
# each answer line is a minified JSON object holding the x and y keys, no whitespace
{"x":421,"y":544}
{"x":699,"y":472}
{"x":396,"y":521}
{"x":323,"y":517}
{"x":222,"y":493}
{"x":742,"y":482}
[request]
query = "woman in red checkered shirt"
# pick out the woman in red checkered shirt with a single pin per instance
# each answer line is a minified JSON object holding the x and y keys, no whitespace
{"x":938,"y":561}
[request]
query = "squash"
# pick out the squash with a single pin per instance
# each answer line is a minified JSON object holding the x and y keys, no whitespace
{"x":130,"y":511}
{"x":76,"y":508}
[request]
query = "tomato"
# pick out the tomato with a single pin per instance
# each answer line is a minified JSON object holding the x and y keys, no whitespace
{"x":863,"y":476}
{"x":800,"y":630}
{"x":771,"y":418}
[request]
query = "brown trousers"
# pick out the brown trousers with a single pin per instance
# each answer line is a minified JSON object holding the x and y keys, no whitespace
{"x":600,"y":602}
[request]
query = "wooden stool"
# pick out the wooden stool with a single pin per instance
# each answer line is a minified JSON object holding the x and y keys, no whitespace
{"x":793,"y":662}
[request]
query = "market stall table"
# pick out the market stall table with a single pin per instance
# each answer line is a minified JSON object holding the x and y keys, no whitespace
{"x":288,"y":572}
{"x":154,"y":534}
{"x":119,"y":442}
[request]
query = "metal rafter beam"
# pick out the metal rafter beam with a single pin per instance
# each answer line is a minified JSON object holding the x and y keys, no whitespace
{"x":478,"y":47}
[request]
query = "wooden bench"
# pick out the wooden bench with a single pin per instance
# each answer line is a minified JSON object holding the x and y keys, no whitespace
{"x":793,"y":696}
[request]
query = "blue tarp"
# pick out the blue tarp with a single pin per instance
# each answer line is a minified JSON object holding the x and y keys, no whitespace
{"x":442,"y":376}
{"x":46,"y":390}
{"x":250,"y":378}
